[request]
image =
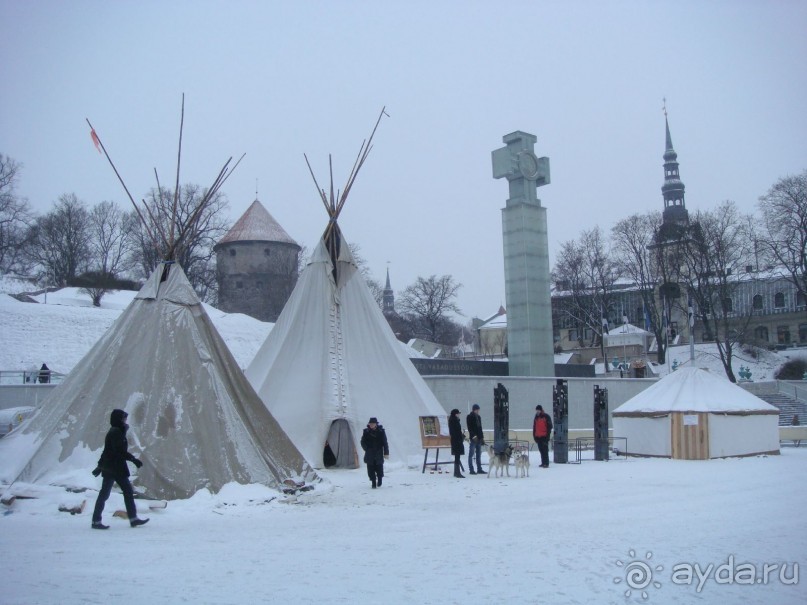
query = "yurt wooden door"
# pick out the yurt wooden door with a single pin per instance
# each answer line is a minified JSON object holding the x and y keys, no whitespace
{"x":690,"y":436}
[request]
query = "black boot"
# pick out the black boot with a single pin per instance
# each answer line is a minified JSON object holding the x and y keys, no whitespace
{"x":380,"y":479}
{"x":373,"y":484}
{"x":137,"y":522}
{"x":457,"y":472}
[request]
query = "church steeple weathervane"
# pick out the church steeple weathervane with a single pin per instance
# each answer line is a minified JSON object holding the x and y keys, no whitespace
{"x":675,"y":212}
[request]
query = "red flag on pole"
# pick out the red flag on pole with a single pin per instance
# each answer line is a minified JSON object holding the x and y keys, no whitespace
{"x":95,"y":140}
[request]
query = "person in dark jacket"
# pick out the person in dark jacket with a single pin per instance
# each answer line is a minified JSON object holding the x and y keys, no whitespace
{"x":541,"y":428}
{"x":473,"y":422}
{"x":376,"y":449}
{"x":113,"y":468}
{"x":457,"y":439}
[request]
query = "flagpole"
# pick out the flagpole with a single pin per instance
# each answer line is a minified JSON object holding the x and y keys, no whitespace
{"x":665,"y":321}
{"x":691,"y":312}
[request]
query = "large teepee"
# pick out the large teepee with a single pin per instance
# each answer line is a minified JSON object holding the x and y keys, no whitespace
{"x":196,"y":422}
{"x":331,"y":361}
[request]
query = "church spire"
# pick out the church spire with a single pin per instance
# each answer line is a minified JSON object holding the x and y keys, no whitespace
{"x":388,"y":298}
{"x":675,"y":212}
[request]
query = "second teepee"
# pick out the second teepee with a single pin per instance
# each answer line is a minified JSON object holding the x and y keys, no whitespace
{"x":331,"y":362}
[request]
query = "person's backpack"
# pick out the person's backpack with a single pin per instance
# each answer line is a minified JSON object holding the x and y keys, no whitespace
{"x":541,"y":427}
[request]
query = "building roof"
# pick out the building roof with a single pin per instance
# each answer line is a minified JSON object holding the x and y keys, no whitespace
{"x":694,"y":390}
{"x":257,"y":225}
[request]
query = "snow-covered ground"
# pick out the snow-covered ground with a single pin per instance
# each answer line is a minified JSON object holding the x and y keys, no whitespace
{"x":568,"y":534}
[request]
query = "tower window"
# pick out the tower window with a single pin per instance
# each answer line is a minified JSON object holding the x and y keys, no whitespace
{"x":779,"y":300}
{"x":757,"y":302}
{"x":266,"y":251}
{"x":761,"y":333}
{"x":232,"y":251}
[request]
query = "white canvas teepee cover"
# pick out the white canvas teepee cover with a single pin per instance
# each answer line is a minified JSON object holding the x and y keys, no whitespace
{"x":694,"y":390}
{"x":332,"y":355}
{"x":195,"y":420}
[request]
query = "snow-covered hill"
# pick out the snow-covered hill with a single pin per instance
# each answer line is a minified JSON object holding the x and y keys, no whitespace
{"x":64,"y":326}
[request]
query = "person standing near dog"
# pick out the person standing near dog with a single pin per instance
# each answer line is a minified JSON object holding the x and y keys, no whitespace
{"x":457,"y":439}
{"x":473,"y":423}
{"x":376,"y":450}
{"x":541,"y":428}
{"x":112,"y":466}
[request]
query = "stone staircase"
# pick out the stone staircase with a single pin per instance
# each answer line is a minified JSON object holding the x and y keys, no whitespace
{"x":788,"y":406}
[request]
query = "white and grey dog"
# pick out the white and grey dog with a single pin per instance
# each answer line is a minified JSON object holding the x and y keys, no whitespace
{"x":521,"y":460}
{"x":500,"y":462}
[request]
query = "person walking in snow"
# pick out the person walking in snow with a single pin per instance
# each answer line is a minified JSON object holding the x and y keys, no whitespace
{"x":376,"y":450}
{"x":457,"y":439}
{"x":541,"y":428}
{"x":473,"y":423}
{"x":113,"y":468}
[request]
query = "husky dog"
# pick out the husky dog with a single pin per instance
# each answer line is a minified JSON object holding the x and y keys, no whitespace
{"x":501,"y":462}
{"x":521,"y":460}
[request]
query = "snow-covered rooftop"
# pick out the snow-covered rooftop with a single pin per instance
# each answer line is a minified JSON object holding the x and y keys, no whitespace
{"x":694,"y":390}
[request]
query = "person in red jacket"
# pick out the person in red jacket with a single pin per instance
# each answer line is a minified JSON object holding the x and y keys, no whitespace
{"x":541,"y":428}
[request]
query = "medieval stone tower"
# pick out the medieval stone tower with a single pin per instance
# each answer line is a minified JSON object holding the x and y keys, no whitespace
{"x":256,"y":265}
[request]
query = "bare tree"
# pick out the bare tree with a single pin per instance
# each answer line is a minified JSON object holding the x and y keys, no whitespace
{"x":650,"y":260}
{"x":587,"y":270}
{"x":15,"y":217}
{"x":784,"y":227}
{"x":112,"y":238}
{"x":60,"y":240}
{"x":428,"y":301}
{"x":198,"y":230}
{"x":719,"y":247}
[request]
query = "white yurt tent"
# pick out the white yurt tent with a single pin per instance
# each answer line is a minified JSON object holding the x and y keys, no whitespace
{"x":331,"y":362}
{"x":196,"y":422}
{"x":692,"y":414}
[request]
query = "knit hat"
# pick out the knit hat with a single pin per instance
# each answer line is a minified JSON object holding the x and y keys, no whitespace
{"x":475,"y":406}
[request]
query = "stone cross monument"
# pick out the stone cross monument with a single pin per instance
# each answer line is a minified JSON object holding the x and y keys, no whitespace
{"x":526,"y":257}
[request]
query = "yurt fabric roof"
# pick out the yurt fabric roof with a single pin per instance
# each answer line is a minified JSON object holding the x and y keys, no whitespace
{"x":694,"y":390}
{"x":332,"y":355}
{"x":195,"y":420}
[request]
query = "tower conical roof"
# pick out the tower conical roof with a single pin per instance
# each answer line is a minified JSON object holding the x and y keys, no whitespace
{"x":256,"y":224}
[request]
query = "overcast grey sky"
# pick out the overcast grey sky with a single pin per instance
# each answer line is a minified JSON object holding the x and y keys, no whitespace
{"x":275,"y":80}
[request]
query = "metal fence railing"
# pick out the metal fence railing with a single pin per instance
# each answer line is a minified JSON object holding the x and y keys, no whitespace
{"x":30,"y":377}
{"x":796,"y":391}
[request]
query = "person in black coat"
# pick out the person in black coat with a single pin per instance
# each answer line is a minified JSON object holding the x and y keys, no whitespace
{"x":457,"y":439}
{"x":112,"y":466}
{"x":473,"y":422}
{"x":376,"y":449}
